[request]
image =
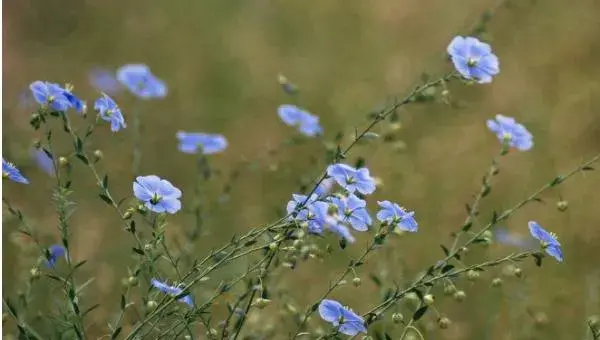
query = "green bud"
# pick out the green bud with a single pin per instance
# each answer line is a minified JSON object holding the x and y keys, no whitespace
{"x":540,"y":319}
{"x":397,"y":318}
{"x":261,"y":303}
{"x":132,"y":281}
{"x":497,"y":282}
{"x":356,"y":281}
{"x":151,"y":304}
{"x":472,"y":275}
{"x":444,"y":322}
{"x":127,"y":214}
{"x":273,"y":246}
{"x":460,"y":296}
{"x":517,"y":272}
{"x":562,"y":205}
{"x":35,"y":272}
{"x":63,"y":161}
{"x":98,"y":155}
{"x":428,"y":299}
{"x":449,"y":289}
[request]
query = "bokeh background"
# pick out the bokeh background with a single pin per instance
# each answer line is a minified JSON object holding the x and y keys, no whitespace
{"x":220,"y":60}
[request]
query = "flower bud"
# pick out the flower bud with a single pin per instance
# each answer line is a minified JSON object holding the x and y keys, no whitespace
{"x":132,"y":281}
{"x":273,"y":246}
{"x":261,"y":303}
{"x":63,"y":161}
{"x":540,"y":319}
{"x":298,"y":244}
{"x":356,"y":281}
{"x":460,"y":296}
{"x":449,"y":289}
{"x":518,"y":272}
{"x":127,"y":214}
{"x":562,"y":205}
{"x":151,"y":304}
{"x":397,"y":318}
{"x":472,"y":275}
{"x":35,"y":273}
{"x":428,"y":299}
{"x":444,"y":322}
{"x":98,"y":155}
{"x":497,"y":282}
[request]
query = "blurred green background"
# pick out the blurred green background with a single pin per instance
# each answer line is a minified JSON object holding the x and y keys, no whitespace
{"x":220,"y":60}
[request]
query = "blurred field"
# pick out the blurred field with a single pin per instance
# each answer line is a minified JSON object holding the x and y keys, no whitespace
{"x":220,"y":60}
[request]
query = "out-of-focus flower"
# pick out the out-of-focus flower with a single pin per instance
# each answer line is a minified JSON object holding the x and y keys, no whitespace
{"x":43,"y":161}
{"x":105,"y":81}
{"x":55,"y":252}
{"x":194,"y":142}
{"x":307,"y":123}
{"x":138,"y":79}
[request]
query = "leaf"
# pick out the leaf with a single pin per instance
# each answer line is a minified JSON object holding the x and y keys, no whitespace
{"x":105,"y":181}
{"x":445,"y":250}
{"x":375,"y":280}
{"x":137,"y":251}
{"x":419,"y":313}
{"x":106,"y":199}
{"x":494,"y":218}
{"x":447,"y":268}
{"x":82,"y":158}
{"x":467,"y":226}
{"x":537,"y":258}
{"x":123,"y":302}
{"x":79,"y":264}
{"x":588,"y":168}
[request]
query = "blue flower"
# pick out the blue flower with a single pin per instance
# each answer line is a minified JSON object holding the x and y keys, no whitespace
{"x":347,"y":321}
{"x":171,"y":290}
{"x":352,"y":179}
{"x":509,"y":131}
{"x":548,"y":240}
{"x":208,"y":144}
{"x":505,"y":237}
{"x":105,"y":81}
{"x":324,"y":188}
{"x":79,"y":105}
{"x":55,"y":251}
{"x":141,"y":82}
{"x":302,"y":214}
{"x":43,"y":161}
{"x":158,"y":195}
{"x":11,"y":172}
{"x":51,"y":94}
{"x":473,"y":59}
{"x":110,"y":112}
{"x":353,"y":211}
{"x":393,"y":214}
{"x":307,"y":123}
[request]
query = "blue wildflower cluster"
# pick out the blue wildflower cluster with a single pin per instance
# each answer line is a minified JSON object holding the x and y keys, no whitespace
{"x":342,"y":203}
{"x":344,"y":211}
